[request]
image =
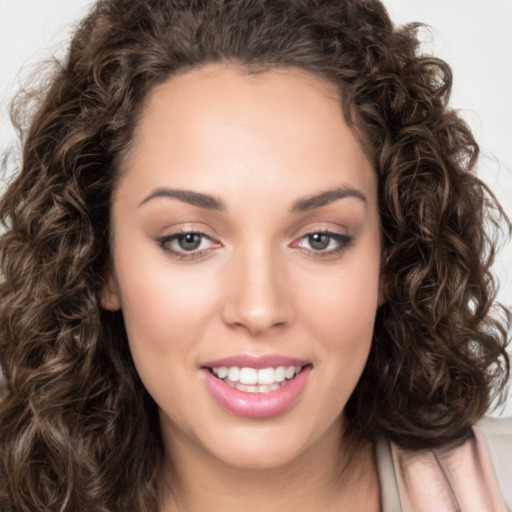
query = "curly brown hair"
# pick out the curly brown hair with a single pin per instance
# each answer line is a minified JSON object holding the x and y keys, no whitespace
{"x":73,"y":409}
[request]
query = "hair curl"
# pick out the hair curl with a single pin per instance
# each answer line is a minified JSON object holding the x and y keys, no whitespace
{"x":73,"y":410}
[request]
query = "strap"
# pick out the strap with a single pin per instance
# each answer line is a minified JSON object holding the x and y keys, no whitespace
{"x":389,"y":498}
{"x":448,"y":480}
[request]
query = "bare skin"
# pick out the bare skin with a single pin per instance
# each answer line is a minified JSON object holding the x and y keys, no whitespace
{"x":335,"y":481}
{"x":260,"y":171}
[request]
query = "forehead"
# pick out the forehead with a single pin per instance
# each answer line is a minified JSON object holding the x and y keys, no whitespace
{"x":218,"y":124}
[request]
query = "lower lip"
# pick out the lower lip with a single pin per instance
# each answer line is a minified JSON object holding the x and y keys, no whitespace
{"x":256,"y":405}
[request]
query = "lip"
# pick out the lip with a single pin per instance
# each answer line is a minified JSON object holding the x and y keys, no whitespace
{"x":256,"y":405}
{"x":258,"y":362}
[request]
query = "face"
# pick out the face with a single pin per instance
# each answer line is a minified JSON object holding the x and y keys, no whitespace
{"x":246,"y":251}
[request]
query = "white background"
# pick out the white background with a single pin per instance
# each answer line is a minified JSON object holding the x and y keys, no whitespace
{"x":475,"y":37}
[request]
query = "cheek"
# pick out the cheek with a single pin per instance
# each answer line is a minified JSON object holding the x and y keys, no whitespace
{"x":341,"y":316}
{"x":166,"y":315}
{"x":343,"y":310}
{"x":166,"y":308}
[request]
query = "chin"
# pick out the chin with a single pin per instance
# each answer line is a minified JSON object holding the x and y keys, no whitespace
{"x":256,"y":457}
{"x":269,"y":445}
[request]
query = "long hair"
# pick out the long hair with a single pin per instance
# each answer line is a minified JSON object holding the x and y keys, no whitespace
{"x":78,"y":431}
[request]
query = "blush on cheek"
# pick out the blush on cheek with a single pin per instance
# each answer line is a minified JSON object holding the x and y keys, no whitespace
{"x":166,"y":315}
{"x":345,"y":311}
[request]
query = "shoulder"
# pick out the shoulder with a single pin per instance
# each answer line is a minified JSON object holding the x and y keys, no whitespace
{"x":472,"y":476}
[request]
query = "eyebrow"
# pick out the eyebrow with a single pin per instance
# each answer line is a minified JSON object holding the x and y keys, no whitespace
{"x":198,"y":199}
{"x":326,"y":197}
{"x":210,"y":202}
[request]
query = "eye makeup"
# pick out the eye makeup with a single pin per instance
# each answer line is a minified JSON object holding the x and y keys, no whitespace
{"x":187,"y":244}
{"x":323,"y":243}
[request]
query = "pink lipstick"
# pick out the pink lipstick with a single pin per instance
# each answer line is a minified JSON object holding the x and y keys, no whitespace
{"x":256,"y":386}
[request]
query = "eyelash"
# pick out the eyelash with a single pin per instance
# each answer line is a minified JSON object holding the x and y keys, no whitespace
{"x":166,"y":241}
{"x":343,"y":242}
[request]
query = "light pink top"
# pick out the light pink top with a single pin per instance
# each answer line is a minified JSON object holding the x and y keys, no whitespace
{"x":473,"y":477}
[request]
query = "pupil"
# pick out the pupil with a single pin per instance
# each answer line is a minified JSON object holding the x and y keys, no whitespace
{"x":319,"y":241}
{"x":190,"y":241}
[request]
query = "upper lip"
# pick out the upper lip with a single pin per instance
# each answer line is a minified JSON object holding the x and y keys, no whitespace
{"x":252,"y":361}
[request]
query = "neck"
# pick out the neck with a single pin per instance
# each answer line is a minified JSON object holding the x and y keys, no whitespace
{"x":333,"y":474}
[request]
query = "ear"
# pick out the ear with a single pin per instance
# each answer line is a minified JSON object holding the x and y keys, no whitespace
{"x":109,"y":297}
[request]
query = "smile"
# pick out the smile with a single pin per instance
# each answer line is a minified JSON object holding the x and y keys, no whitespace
{"x":253,"y":380}
{"x":267,"y":387}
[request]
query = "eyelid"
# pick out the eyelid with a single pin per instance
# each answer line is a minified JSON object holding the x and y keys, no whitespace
{"x":164,"y":242}
{"x":344,"y":240}
{"x":320,"y":227}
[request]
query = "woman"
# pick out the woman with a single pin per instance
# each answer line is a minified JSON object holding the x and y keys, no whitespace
{"x":246,"y":268}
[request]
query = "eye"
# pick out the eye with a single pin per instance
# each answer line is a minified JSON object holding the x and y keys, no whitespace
{"x":187,"y":245}
{"x":189,"y":241}
{"x":320,"y":241}
{"x":323,"y":243}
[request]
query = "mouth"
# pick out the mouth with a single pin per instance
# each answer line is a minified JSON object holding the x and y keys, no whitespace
{"x":256,"y":380}
{"x":256,"y":387}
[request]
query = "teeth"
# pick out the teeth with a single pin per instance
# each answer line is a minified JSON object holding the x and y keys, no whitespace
{"x":253,"y":380}
{"x":290,"y":372}
{"x":281,"y":373}
{"x":222,"y":372}
{"x":234,"y":373}
{"x":255,"y":389}
{"x":248,"y":376}
{"x":266,"y":376}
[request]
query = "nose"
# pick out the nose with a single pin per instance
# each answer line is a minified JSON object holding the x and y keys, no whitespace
{"x":259,"y":295}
